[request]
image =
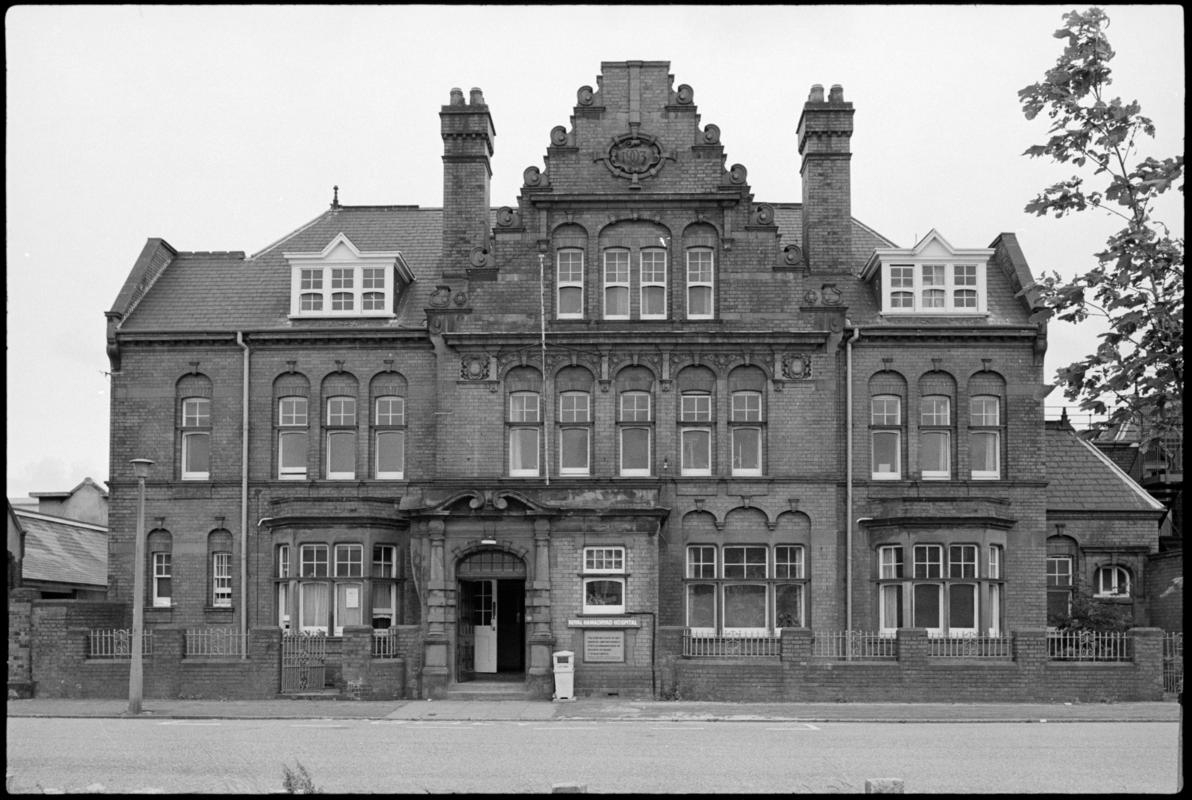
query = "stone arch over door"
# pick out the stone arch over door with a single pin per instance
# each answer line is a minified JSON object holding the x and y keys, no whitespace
{"x":490,"y":613}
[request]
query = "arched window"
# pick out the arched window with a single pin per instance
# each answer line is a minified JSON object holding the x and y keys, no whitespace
{"x":936,"y":390}
{"x":570,"y":243}
{"x":194,"y":427}
{"x":340,"y":426}
{"x":986,"y":425}
{"x":573,"y":386}
{"x":219,"y":562}
{"x":653,"y":282}
{"x":697,"y":420}
{"x":523,"y":421}
{"x":635,"y":421}
{"x":159,"y":551}
{"x":699,"y":248}
{"x":1112,"y":581}
{"x":388,"y":395}
{"x":616,"y":283}
{"x":887,"y":391}
{"x":747,"y":420}
{"x":291,"y":394}
{"x":635,"y":270}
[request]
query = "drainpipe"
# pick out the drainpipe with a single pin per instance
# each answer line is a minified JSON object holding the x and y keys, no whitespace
{"x":244,"y":501}
{"x":848,"y":480}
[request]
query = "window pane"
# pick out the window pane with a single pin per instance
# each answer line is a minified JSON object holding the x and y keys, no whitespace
{"x":616,"y":301}
{"x":635,"y":449}
{"x":312,"y":279}
{"x":292,"y":457}
{"x":570,"y":301}
{"x":314,"y":606}
{"x":699,"y":301}
{"x":744,"y":606}
{"x":886,"y":409}
{"x":985,"y":410}
{"x":788,"y":561}
{"x":341,"y":454}
{"x":933,"y":453}
{"x":744,"y":562}
{"x":891,"y":562}
{"x":746,"y":407}
{"x":604,"y":559}
{"x":635,"y":407}
{"x":885,"y":453}
{"x":384,"y":561}
{"x":341,"y":411}
{"x":962,"y":561}
{"x":349,"y":560}
{"x":697,"y":450}
{"x":929,"y":561}
{"x":523,"y":407}
{"x":523,"y":450}
{"x":934,"y":410}
{"x":653,"y":301}
{"x":314,"y":561}
{"x":573,"y":407}
{"x":701,"y":605}
{"x":196,"y":453}
{"x":391,"y":411}
{"x":962,"y":606}
{"x":391,"y":449}
{"x":747,"y":450}
{"x":701,"y":562}
{"x":891,"y":611}
{"x":696,"y":408}
{"x":983,"y":451}
{"x":348,"y":603}
{"x":788,"y":605}
{"x":927,"y":605}
{"x":573,"y":450}
{"x":292,"y":411}
{"x":604,"y":593}
{"x":196,"y":412}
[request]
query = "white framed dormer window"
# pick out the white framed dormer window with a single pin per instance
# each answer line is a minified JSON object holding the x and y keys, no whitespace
{"x":342,"y":281}
{"x":569,"y":280}
{"x":604,"y":580}
{"x":653,"y":283}
{"x":930,"y":279}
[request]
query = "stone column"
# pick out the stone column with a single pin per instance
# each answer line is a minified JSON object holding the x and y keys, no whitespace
{"x":539,"y":613}
{"x":436,"y":672}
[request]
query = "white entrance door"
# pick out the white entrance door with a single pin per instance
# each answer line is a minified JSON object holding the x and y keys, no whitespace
{"x":484,"y":615}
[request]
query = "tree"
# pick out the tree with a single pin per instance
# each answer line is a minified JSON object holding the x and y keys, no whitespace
{"x":1136,"y":374}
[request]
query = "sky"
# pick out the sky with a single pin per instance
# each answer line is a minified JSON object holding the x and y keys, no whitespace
{"x":225,"y":128}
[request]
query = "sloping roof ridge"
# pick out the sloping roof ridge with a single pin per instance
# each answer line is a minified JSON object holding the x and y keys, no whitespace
{"x":139,"y":282}
{"x":38,"y":515}
{"x":292,"y":234}
{"x":858,"y":222}
{"x":1121,"y":475}
{"x":84,"y":482}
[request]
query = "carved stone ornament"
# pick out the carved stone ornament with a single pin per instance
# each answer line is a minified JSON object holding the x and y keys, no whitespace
{"x":737,"y":173}
{"x":795,"y":366}
{"x":478,"y":257}
{"x":584,"y":96}
{"x":792,"y":255}
{"x":763,"y":214}
{"x":441,"y":296}
{"x":810,"y":297}
{"x":711,"y":134}
{"x":635,"y":155}
{"x":685,"y":95}
{"x":461,"y":298}
{"x":532,"y":176}
{"x":558,"y":136}
{"x":506,"y":216}
{"x":473,"y":368}
{"x":832,"y":295}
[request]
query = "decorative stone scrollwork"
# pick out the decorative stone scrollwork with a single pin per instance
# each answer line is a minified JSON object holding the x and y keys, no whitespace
{"x":711,"y":134}
{"x":558,"y":136}
{"x":532,"y":176}
{"x":792,"y":255}
{"x":584,"y":96}
{"x":796,"y":366}
{"x":478,"y":257}
{"x":474,"y":368}
{"x":763,"y":214}
{"x":441,"y":296}
{"x":831,"y":294}
{"x":506,"y":217}
{"x":737,"y":173}
{"x":685,"y":95}
{"x":461,"y":298}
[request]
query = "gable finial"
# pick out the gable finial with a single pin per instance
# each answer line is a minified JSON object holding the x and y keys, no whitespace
{"x":335,"y":197}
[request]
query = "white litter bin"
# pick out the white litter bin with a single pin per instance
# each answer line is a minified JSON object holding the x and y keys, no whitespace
{"x":564,"y":667}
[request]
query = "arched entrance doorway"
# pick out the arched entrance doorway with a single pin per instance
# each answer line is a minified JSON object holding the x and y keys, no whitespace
{"x":490,"y":616}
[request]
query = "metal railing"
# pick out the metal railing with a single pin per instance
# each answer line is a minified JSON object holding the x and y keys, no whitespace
{"x":216,"y":642}
{"x":385,"y":644}
{"x":731,"y":645}
{"x":854,"y":646}
{"x":116,"y":644}
{"x":993,"y":647}
{"x":1089,"y":646}
{"x":1173,"y":662}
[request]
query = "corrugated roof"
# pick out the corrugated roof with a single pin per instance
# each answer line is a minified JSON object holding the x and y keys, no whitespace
{"x":1081,"y":477}
{"x":60,"y":550}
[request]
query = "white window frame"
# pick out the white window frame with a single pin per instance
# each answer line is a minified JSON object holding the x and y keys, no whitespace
{"x":934,"y":423}
{"x":891,"y":567}
{"x":747,"y":580}
{"x":747,"y":412}
{"x":980,"y":425}
{"x":575,"y":417}
{"x":522,"y":420}
{"x":700,"y":282}
{"x":221,"y":579}
{"x":1118,"y":584}
{"x":162,"y":561}
{"x":604,"y":564}
{"x":635,"y":419}
{"x":653,"y":283}
{"x":292,"y":422}
{"x":314,"y":626}
{"x":362,"y":276}
{"x":617,"y":282}
{"x":965,"y":275}
{"x":693,"y":413}
{"x":196,"y":425}
{"x":390,"y":424}
{"x":339,"y":427}
{"x":570,"y":283}
{"x":880,"y":425}
{"x":283,"y":587}
{"x":799,"y":566}
{"x":702,"y":566}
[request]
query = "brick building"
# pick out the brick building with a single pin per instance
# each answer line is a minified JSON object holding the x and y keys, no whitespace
{"x":637,"y":412}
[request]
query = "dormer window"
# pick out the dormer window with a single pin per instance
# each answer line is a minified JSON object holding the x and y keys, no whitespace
{"x":930,"y":279}
{"x":342,"y":281}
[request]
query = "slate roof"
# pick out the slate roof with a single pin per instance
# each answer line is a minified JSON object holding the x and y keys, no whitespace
{"x":228,"y":291}
{"x":60,"y":550}
{"x":1082,"y":478}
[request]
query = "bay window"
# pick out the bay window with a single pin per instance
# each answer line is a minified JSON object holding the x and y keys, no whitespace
{"x":944,"y":591}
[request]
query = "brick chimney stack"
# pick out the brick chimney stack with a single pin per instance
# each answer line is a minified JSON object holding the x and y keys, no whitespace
{"x":467,"y":146}
{"x":824,"y":130}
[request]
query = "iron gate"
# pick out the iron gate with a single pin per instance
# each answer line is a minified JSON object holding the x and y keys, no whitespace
{"x":303,"y":663}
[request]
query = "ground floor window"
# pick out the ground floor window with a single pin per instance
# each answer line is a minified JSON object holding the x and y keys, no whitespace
{"x":744,"y":589}
{"x":329,"y":587}
{"x":949,"y":589}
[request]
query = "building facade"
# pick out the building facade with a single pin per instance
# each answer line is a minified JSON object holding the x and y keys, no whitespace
{"x":637,"y":412}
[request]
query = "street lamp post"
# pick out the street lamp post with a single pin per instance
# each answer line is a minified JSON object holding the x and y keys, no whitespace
{"x":140,"y":468}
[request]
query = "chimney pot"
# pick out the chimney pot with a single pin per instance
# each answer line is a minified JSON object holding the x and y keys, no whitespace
{"x":477,"y":98}
{"x":836,"y":94}
{"x":817,"y":94}
{"x":457,"y":97}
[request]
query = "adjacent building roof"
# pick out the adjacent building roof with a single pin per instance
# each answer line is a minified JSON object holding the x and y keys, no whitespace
{"x":61,"y":550}
{"x":1082,"y":478}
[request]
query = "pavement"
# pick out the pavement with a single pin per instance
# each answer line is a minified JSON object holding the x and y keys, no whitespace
{"x":605,"y":708}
